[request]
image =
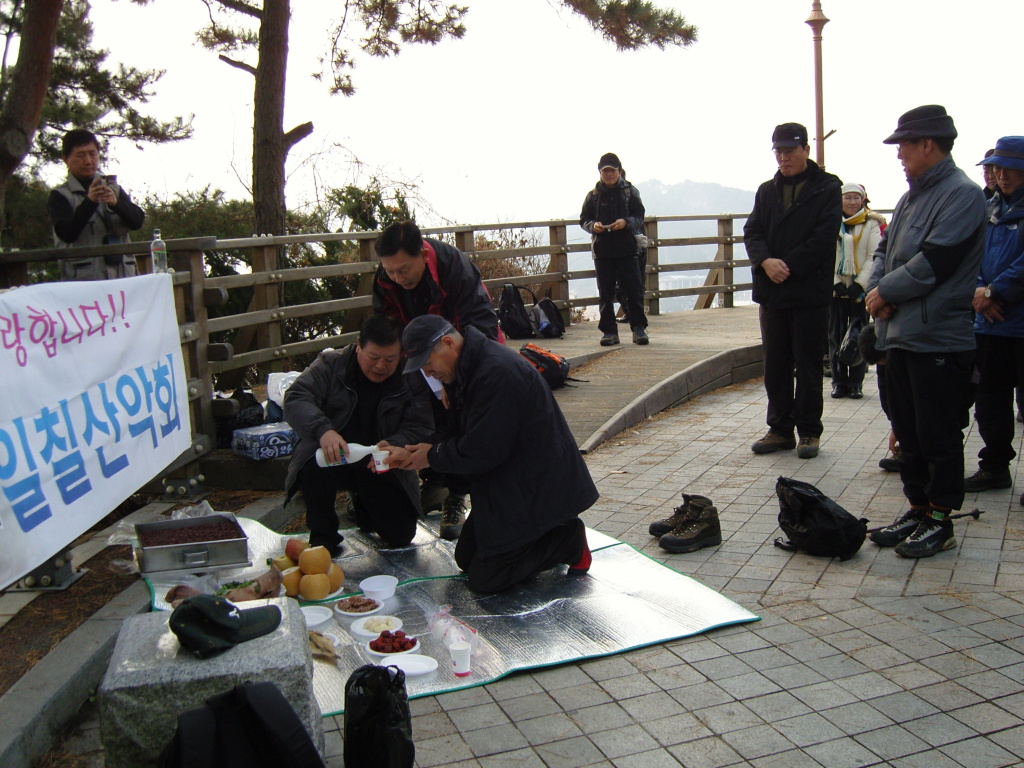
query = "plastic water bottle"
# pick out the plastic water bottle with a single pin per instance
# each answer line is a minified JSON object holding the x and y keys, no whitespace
{"x":355,"y":453}
{"x":158,"y":252}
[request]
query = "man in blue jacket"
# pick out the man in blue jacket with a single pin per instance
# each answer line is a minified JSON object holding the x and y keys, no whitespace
{"x":920,"y":293}
{"x":528,"y":480}
{"x":999,"y":324}
{"x":790,"y":237}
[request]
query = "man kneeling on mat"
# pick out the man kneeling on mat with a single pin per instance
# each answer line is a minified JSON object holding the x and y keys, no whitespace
{"x":527,"y":479}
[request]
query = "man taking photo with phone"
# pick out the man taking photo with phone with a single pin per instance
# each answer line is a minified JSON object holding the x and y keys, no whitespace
{"x":89,"y":209}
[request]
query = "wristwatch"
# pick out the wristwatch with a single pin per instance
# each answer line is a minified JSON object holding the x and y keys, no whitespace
{"x":988,"y":292}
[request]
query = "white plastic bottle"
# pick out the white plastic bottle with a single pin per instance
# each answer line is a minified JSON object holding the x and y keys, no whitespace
{"x":158,"y":251}
{"x":355,"y":453}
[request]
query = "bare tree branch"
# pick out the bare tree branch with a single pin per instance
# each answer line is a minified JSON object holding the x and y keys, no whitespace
{"x":238,"y":64}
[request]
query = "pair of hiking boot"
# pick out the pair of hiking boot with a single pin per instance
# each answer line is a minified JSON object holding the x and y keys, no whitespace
{"x":692,"y":525}
{"x":916,"y":534}
{"x":453,"y":506}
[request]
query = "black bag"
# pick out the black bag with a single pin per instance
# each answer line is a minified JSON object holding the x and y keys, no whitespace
{"x":552,"y":367}
{"x":549,"y":320}
{"x":250,"y":726}
{"x":512,"y":314}
{"x":378,"y":724}
{"x":816,"y":524}
{"x":849,"y":351}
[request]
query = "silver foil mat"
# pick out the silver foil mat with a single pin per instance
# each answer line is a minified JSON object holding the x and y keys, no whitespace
{"x":627,"y":601}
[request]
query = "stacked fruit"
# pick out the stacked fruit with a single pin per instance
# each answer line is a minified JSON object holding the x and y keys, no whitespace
{"x":308,"y":572}
{"x":393,"y":642}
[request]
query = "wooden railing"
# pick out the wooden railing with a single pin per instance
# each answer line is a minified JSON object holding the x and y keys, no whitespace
{"x":260,"y":331}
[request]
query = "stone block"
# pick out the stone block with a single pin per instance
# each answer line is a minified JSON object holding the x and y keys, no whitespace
{"x":151,"y":680}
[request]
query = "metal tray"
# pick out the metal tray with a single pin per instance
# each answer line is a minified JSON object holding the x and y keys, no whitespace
{"x":192,"y":558}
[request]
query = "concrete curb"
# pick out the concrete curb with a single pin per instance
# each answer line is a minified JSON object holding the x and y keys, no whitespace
{"x":37,"y":707}
{"x":721,"y":370}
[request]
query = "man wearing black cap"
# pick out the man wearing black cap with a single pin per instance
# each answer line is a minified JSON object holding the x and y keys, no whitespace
{"x":612,"y":213}
{"x":920,"y":293}
{"x":790,"y":239}
{"x":528,"y":480}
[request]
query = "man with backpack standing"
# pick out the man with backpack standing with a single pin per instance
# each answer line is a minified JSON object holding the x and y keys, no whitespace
{"x":419,"y":276}
{"x":612,"y":213}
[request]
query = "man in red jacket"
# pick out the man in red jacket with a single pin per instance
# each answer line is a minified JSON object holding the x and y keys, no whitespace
{"x":419,"y":276}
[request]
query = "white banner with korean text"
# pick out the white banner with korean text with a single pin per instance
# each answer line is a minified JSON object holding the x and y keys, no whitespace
{"x":93,"y":404}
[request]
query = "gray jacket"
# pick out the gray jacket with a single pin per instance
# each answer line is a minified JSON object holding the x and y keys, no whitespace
{"x":927,"y":263}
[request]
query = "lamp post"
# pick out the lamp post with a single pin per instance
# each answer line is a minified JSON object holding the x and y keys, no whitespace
{"x":816,"y":21}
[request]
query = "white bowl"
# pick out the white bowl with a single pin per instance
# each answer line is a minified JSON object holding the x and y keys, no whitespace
{"x":379,"y":588}
{"x":379,"y":655}
{"x":359,"y":626}
{"x":316,"y":616}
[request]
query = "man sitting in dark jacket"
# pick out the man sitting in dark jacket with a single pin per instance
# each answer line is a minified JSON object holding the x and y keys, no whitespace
{"x":418,"y":276}
{"x":360,"y":391}
{"x":528,"y":480}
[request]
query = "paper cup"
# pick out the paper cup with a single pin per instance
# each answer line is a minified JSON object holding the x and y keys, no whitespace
{"x":380,"y":461}
{"x":460,"y":657}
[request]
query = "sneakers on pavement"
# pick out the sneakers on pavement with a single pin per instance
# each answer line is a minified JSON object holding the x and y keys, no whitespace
{"x":453,"y":516}
{"x":890,"y":463}
{"x":983,"y":480}
{"x":807,"y":448}
{"x":693,"y":534}
{"x":902,"y":527}
{"x":640,"y":336}
{"x":689,"y":510}
{"x":609,"y":340}
{"x":772,"y":442}
{"x":930,"y":537}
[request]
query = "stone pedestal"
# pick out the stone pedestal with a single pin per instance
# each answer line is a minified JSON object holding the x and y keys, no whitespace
{"x":151,"y":680}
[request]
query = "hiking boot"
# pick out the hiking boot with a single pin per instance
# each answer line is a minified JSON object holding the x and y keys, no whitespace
{"x":609,"y":340}
{"x":839,"y":390}
{"x":640,"y":336}
{"x":890,"y":463}
{"x":688,"y":510}
{"x":856,"y":392}
{"x":453,"y":516}
{"x":983,"y":480}
{"x":893,"y":534}
{"x":808,"y":447}
{"x":930,"y":536}
{"x":773,"y":442}
{"x":693,"y":534}
{"x":432,"y":495}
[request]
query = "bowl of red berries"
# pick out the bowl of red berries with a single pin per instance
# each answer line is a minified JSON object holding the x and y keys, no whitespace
{"x":390,"y":643}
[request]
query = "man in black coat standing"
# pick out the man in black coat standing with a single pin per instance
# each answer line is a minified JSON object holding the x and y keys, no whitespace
{"x":790,"y":237}
{"x":528,"y":480}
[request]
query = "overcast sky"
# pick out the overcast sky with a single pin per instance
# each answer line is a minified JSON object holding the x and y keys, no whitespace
{"x":508,"y":123}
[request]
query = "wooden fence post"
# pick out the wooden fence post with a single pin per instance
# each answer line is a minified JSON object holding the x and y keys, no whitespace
{"x":558,"y":265}
{"x":652,"y":280}
{"x":267,"y":296}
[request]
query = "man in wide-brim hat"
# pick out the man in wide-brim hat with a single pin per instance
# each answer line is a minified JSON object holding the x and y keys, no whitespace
{"x":920,"y":293}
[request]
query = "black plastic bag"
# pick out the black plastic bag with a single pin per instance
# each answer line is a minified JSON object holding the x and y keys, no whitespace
{"x":815,"y":523}
{"x":378,"y":724}
{"x":849,"y":351}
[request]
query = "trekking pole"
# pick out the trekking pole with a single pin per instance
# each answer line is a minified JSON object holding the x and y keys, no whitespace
{"x":975,"y":513}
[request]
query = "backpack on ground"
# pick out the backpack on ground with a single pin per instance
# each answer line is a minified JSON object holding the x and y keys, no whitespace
{"x":378,"y":722}
{"x":553,"y":368}
{"x":519,"y":321}
{"x":250,"y":726}
{"x":816,"y":524}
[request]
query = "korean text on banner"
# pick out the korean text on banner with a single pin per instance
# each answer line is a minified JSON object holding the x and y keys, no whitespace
{"x":93,"y":405}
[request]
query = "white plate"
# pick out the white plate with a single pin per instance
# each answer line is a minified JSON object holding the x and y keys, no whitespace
{"x":359,"y":614}
{"x":414,"y":665}
{"x":335,"y":593}
{"x":358,"y":629}
{"x":333,"y":638}
{"x":378,"y":655}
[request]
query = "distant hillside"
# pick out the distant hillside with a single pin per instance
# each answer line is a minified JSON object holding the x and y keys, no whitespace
{"x":693,"y":197}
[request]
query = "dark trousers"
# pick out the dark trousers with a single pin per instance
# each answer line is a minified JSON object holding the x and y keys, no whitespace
{"x":562,"y":544}
{"x":620,"y":295}
{"x":794,"y":344}
{"x":1000,"y":364}
{"x":842,"y":312}
{"x":929,"y":400}
{"x":624,"y":272}
{"x":457,"y":484}
{"x":380,"y":502}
